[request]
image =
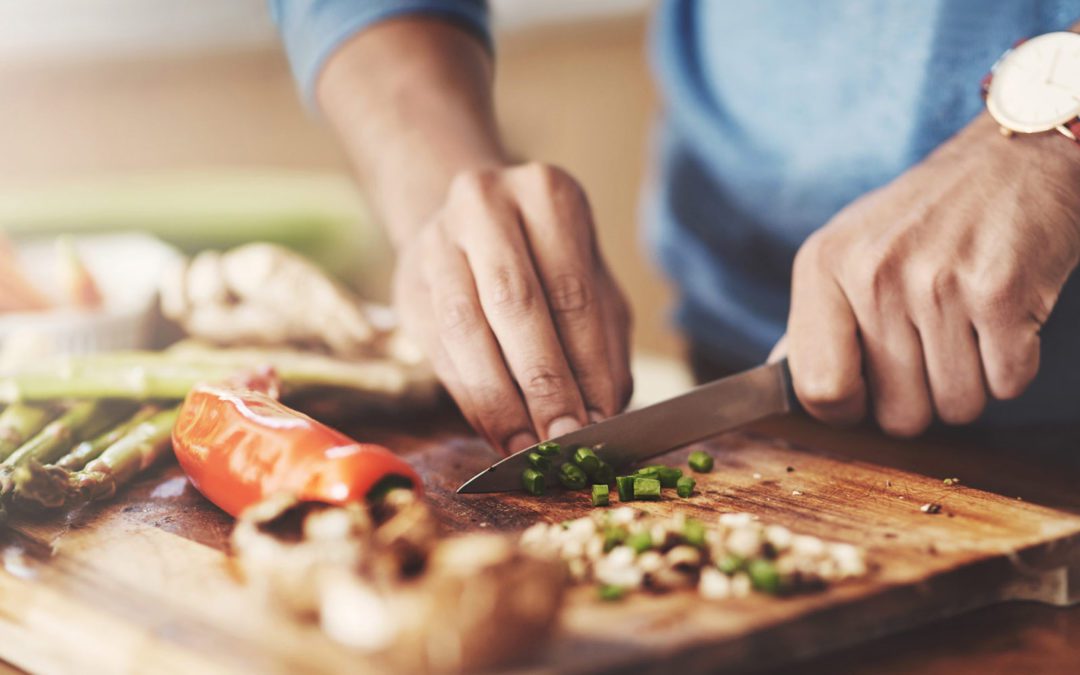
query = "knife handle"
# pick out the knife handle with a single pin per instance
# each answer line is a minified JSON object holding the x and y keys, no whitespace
{"x":789,"y":386}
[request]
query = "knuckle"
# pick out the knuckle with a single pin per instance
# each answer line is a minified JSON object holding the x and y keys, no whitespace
{"x":543,"y":383}
{"x":458,"y":315}
{"x":872,"y":274}
{"x":1012,"y":376}
{"x":904,"y":424}
{"x":996,"y":299}
{"x":510,"y":292}
{"x":475,"y":185}
{"x":932,"y":286}
{"x":550,"y":178}
{"x":822,"y":390}
{"x":961,"y":407}
{"x":570,"y":293}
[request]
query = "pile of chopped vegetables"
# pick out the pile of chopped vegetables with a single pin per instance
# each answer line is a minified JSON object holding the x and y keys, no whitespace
{"x":584,"y":469}
{"x":624,"y":550}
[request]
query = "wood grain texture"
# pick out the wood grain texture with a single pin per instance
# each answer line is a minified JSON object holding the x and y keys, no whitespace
{"x":145,"y":582}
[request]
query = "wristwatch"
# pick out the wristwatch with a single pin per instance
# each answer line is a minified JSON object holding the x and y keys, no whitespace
{"x":1035,"y":86}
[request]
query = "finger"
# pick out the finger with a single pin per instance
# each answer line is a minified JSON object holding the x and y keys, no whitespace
{"x":558,"y":228}
{"x":779,"y":350}
{"x":482,"y":385}
{"x":823,"y":343}
{"x":619,"y":321}
{"x":896,"y":372}
{"x":515,"y":307}
{"x":1010,"y":356}
{"x":953,"y":365}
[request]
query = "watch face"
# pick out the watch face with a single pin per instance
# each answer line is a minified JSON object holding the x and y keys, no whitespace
{"x":1036,"y":86}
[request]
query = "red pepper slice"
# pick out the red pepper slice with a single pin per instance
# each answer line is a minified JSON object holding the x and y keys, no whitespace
{"x":239,"y":446}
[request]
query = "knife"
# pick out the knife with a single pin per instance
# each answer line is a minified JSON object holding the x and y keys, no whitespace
{"x":705,"y":411}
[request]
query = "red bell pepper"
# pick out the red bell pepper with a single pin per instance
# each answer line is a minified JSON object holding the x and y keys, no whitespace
{"x":239,"y":446}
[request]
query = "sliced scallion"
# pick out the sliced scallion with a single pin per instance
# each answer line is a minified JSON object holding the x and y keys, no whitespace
{"x":600,"y":495}
{"x":700,"y":461}
{"x":533,"y":481}
{"x":625,"y":485}
{"x":646,"y":488}
{"x":684,"y":487}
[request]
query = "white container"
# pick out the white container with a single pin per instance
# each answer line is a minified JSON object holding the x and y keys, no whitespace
{"x":127,"y":268}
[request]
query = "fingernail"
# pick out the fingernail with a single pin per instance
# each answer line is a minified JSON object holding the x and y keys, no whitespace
{"x":596,"y":416}
{"x":519,"y":442}
{"x":563,"y":425}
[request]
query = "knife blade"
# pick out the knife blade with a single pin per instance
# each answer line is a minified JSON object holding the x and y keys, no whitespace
{"x":705,"y":411}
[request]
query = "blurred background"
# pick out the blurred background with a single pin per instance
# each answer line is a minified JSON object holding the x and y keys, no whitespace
{"x":181,"y":119}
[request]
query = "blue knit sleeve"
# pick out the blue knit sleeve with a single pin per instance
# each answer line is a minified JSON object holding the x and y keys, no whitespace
{"x":313,"y":29}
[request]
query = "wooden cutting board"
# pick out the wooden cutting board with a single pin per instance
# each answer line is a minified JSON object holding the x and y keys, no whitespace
{"x":144,"y":583}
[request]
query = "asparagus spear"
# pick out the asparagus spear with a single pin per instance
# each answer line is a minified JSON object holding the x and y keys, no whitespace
{"x":90,"y":449}
{"x":143,"y":444}
{"x":20,"y":422}
{"x":85,"y":419}
{"x":147,"y":442}
{"x":165,"y":376}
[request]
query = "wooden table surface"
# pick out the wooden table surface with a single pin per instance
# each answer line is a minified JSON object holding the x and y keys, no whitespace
{"x":1038,"y":466}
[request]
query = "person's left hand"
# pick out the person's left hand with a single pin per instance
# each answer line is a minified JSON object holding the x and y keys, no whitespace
{"x":926,"y":295}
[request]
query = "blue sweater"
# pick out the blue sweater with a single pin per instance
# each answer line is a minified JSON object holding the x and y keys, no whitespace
{"x":778,"y":113}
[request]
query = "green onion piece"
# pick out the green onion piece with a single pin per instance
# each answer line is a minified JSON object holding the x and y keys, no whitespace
{"x":669,"y":476}
{"x":646,"y":488}
{"x":604,"y":474}
{"x":650,"y":471}
{"x":613,"y":536}
{"x":625,"y":485}
{"x":694,"y":532}
{"x":533,"y":481}
{"x":764,"y":576}
{"x":538,"y":461}
{"x":599,"y":495}
{"x":571,"y":477}
{"x":700,"y":461}
{"x":684,"y":487}
{"x":639,"y":541}
{"x":730,"y":564}
{"x":587,"y":460}
{"x":609,"y":593}
{"x":548,"y":449}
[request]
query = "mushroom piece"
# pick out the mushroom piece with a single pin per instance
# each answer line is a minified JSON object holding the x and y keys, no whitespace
{"x":264,"y":294}
{"x":383,"y":579}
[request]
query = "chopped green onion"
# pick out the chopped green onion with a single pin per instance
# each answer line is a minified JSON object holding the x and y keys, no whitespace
{"x":548,"y":449}
{"x":571,"y":477}
{"x":587,"y":460}
{"x":600,"y":495}
{"x":640,"y":541}
{"x":764,"y":576}
{"x":684,"y":487}
{"x":538,"y":461}
{"x":700,"y":461}
{"x":604,"y":474}
{"x":665,"y":474}
{"x":625,"y":484}
{"x":613,"y":536}
{"x":646,"y":488}
{"x":730,"y":564}
{"x":610,"y":593}
{"x":694,"y":532}
{"x":669,"y":476}
{"x":533,"y":481}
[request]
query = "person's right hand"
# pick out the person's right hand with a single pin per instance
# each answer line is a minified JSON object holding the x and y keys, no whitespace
{"x":505,"y":289}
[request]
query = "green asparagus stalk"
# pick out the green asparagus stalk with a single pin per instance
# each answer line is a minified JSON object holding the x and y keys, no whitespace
{"x":90,"y":449}
{"x":18,"y":423}
{"x":84,"y":419}
{"x":145,"y":445}
{"x":53,"y":487}
{"x":169,"y":376}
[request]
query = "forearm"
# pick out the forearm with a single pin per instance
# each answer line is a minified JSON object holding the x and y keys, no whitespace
{"x":411,"y":100}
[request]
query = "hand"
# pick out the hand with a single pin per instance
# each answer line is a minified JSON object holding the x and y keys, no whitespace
{"x":928,"y":294}
{"x":505,"y":289}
